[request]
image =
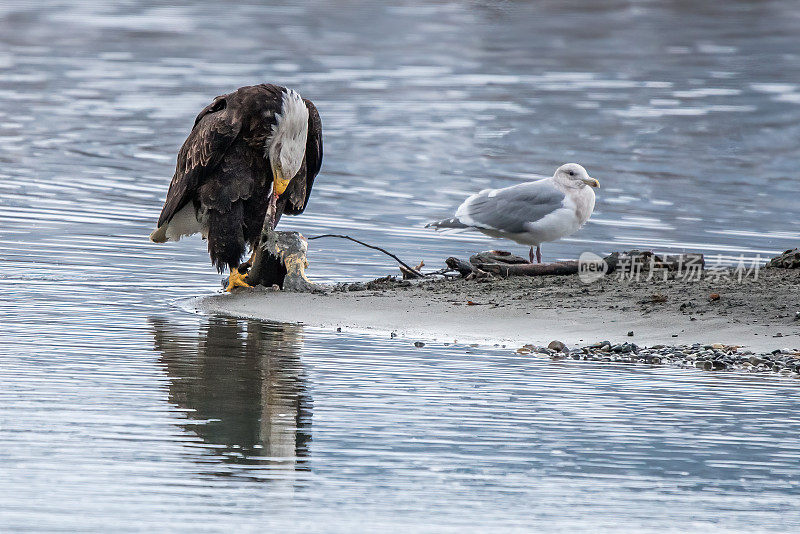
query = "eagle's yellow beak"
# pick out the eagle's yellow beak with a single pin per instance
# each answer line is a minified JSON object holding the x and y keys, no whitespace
{"x":279,"y":183}
{"x":591,"y":182}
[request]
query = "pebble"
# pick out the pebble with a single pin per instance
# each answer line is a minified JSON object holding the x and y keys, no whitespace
{"x":419,"y":344}
{"x":714,"y":357}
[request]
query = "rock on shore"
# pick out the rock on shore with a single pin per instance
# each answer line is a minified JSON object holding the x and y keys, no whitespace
{"x":715,"y":357}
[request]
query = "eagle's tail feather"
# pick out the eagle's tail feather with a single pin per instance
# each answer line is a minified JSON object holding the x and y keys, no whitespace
{"x":159,"y":235}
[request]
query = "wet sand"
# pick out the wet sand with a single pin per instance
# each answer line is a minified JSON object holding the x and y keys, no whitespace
{"x":758,"y":314}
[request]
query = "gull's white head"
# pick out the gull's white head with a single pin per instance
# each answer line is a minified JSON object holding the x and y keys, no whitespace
{"x":573,"y":175}
{"x":287,"y":146}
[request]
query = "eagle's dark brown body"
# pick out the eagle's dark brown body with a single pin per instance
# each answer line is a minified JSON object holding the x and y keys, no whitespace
{"x":223,"y":174}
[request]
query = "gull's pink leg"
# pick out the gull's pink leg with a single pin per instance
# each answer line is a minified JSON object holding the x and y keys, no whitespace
{"x":530,"y":254}
{"x":538,"y":254}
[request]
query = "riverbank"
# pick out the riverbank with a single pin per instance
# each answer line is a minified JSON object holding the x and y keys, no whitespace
{"x":757,"y":313}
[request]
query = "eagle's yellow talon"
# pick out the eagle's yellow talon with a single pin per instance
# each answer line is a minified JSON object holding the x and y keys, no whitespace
{"x":236,"y":279}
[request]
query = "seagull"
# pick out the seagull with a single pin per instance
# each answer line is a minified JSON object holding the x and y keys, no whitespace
{"x":529,"y":213}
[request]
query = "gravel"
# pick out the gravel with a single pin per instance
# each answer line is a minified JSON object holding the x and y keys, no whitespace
{"x":716,"y":357}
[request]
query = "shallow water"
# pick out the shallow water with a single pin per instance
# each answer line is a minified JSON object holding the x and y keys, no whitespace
{"x":117,"y":408}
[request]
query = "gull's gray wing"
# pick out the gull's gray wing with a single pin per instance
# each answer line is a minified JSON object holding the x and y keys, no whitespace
{"x":510,"y":208}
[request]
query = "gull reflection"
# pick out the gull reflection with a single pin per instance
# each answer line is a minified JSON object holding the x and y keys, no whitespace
{"x":242,"y":385}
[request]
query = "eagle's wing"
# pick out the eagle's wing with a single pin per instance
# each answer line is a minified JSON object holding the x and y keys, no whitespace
{"x":298,"y":198}
{"x":313,"y":145}
{"x":212,"y":135}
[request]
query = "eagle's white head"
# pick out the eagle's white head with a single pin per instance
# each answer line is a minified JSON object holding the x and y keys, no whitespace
{"x":287,"y":145}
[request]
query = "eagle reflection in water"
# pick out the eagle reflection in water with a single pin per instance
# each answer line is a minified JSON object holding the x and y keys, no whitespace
{"x":242,"y":385}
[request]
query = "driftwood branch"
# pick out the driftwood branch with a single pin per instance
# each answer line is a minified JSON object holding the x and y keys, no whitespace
{"x":496,"y":256}
{"x":789,"y":259}
{"x":405,"y":267}
{"x":463,"y":267}
{"x":530,"y":269}
{"x":502,"y":263}
{"x":280,"y":259}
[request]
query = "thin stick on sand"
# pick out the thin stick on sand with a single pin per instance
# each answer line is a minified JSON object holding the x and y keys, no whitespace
{"x":414,"y":272}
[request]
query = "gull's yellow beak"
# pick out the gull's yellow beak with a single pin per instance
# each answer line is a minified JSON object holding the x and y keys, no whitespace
{"x":591,"y":182}
{"x":279,"y":183}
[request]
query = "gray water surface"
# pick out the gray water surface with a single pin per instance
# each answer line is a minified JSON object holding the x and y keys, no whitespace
{"x":119,"y":411}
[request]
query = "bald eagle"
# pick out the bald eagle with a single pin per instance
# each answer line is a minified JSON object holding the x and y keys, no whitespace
{"x":256,"y":148}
